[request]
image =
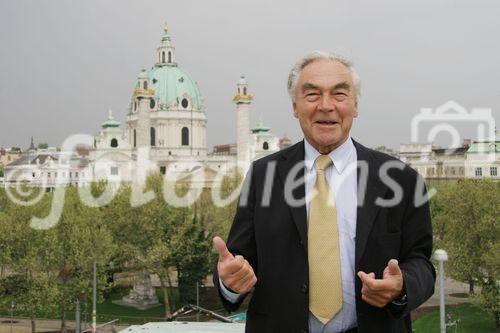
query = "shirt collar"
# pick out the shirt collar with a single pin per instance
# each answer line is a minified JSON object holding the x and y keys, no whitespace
{"x":340,"y":155}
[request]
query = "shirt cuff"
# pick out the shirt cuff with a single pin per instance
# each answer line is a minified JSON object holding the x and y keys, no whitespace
{"x":228,"y":295}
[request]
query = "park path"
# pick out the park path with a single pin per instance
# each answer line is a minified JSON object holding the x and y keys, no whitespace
{"x":450,"y":287}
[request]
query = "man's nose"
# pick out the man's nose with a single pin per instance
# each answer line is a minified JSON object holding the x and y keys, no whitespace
{"x":326,"y":103}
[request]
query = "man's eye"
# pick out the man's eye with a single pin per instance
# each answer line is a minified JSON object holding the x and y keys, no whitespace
{"x":312,"y":96}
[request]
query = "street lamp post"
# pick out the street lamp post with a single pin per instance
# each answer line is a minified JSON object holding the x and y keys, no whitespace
{"x":77,"y":316}
{"x":12,"y":304}
{"x":94,"y":299}
{"x":441,"y":256}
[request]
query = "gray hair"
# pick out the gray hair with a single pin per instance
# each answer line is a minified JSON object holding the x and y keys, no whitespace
{"x":318,"y":55}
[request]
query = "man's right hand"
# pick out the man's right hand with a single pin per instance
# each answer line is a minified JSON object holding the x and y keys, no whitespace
{"x":234,"y":271}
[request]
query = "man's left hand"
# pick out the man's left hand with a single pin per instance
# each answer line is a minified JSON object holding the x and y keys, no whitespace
{"x":379,"y":292}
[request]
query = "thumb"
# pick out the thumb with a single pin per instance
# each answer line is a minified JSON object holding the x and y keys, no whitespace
{"x":221,"y":248}
{"x":393,"y":267}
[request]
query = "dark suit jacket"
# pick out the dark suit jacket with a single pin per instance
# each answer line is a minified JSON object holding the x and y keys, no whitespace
{"x":274,"y":241}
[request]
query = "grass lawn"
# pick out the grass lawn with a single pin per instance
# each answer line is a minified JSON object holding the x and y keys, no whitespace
{"x":472,"y":320}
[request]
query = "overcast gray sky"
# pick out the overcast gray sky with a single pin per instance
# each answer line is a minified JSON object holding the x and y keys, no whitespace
{"x":63,"y":64}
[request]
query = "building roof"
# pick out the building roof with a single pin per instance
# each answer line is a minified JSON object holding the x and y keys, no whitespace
{"x":449,"y":151}
{"x":171,"y":84}
{"x":31,"y":159}
{"x":186,"y":327}
{"x":260,"y":128}
{"x":111,"y":124}
{"x":487,"y":146}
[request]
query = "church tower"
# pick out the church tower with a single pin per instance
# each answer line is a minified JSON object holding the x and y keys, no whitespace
{"x":242,"y":100}
{"x":144,"y":103}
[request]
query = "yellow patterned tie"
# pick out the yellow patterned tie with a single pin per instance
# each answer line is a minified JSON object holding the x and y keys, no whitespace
{"x":325,"y":279}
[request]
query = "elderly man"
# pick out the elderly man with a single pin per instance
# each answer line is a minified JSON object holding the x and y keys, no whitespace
{"x":341,"y":240}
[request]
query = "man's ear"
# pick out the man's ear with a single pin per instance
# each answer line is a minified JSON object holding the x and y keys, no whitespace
{"x":295,"y":110}
{"x":356,"y":108}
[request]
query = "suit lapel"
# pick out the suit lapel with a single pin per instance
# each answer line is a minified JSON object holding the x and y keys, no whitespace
{"x":290,"y":158}
{"x":366,"y":212}
{"x":367,"y":209}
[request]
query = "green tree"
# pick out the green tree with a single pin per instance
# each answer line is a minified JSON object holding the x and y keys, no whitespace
{"x":82,"y":238}
{"x":466,"y":226}
{"x":144,"y":234}
{"x":26,"y":253}
{"x":191,"y":253}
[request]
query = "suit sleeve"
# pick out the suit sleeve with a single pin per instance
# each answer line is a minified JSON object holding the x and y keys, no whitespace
{"x":241,"y":240}
{"x":416,"y":247}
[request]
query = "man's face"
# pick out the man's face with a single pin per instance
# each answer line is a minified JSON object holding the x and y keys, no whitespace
{"x":325,"y":104}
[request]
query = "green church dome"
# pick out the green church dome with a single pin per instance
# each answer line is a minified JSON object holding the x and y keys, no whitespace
{"x":171,"y":85}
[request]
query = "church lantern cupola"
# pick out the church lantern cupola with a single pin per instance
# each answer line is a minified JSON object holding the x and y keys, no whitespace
{"x":165,"y":52}
{"x":242,"y":95}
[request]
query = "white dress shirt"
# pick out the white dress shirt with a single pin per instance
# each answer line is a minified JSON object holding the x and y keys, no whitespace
{"x":342,"y":179}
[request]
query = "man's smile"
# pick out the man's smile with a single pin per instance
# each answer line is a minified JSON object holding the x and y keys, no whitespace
{"x":326,"y":123}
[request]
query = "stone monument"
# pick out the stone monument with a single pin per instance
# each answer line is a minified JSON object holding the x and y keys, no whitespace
{"x":142,"y":296}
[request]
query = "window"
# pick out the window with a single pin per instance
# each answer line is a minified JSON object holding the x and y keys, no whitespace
{"x":145,"y":84}
{"x":493,"y":171}
{"x":70,"y":174}
{"x":33,"y":174}
{"x":152,"y":133}
{"x":48,"y":174}
{"x":76,"y":174}
{"x":244,"y":90}
{"x":55,"y":174}
{"x":265,"y":145}
{"x":478,"y":172}
{"x":185,"y":136}
{"x":169,"y":153}
{"x":152,"y":103}
{"x":114,"y":143}
{"x":114,"y":171}
{"x":163,"y":57}
{"x":184,"y":103}
{"x":135,"y":138}
{"x":163,"y":170}
{"x":169,"y":57}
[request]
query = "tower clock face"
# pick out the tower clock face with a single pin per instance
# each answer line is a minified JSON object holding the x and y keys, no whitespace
{"x":184,"y":103}
{"x":152,"y":103}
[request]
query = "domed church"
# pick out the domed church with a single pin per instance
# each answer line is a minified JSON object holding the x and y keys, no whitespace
{"x":166,"y":128}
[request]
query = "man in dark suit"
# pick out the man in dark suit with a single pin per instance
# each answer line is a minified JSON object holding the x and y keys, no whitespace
{"x":330,"y":235}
